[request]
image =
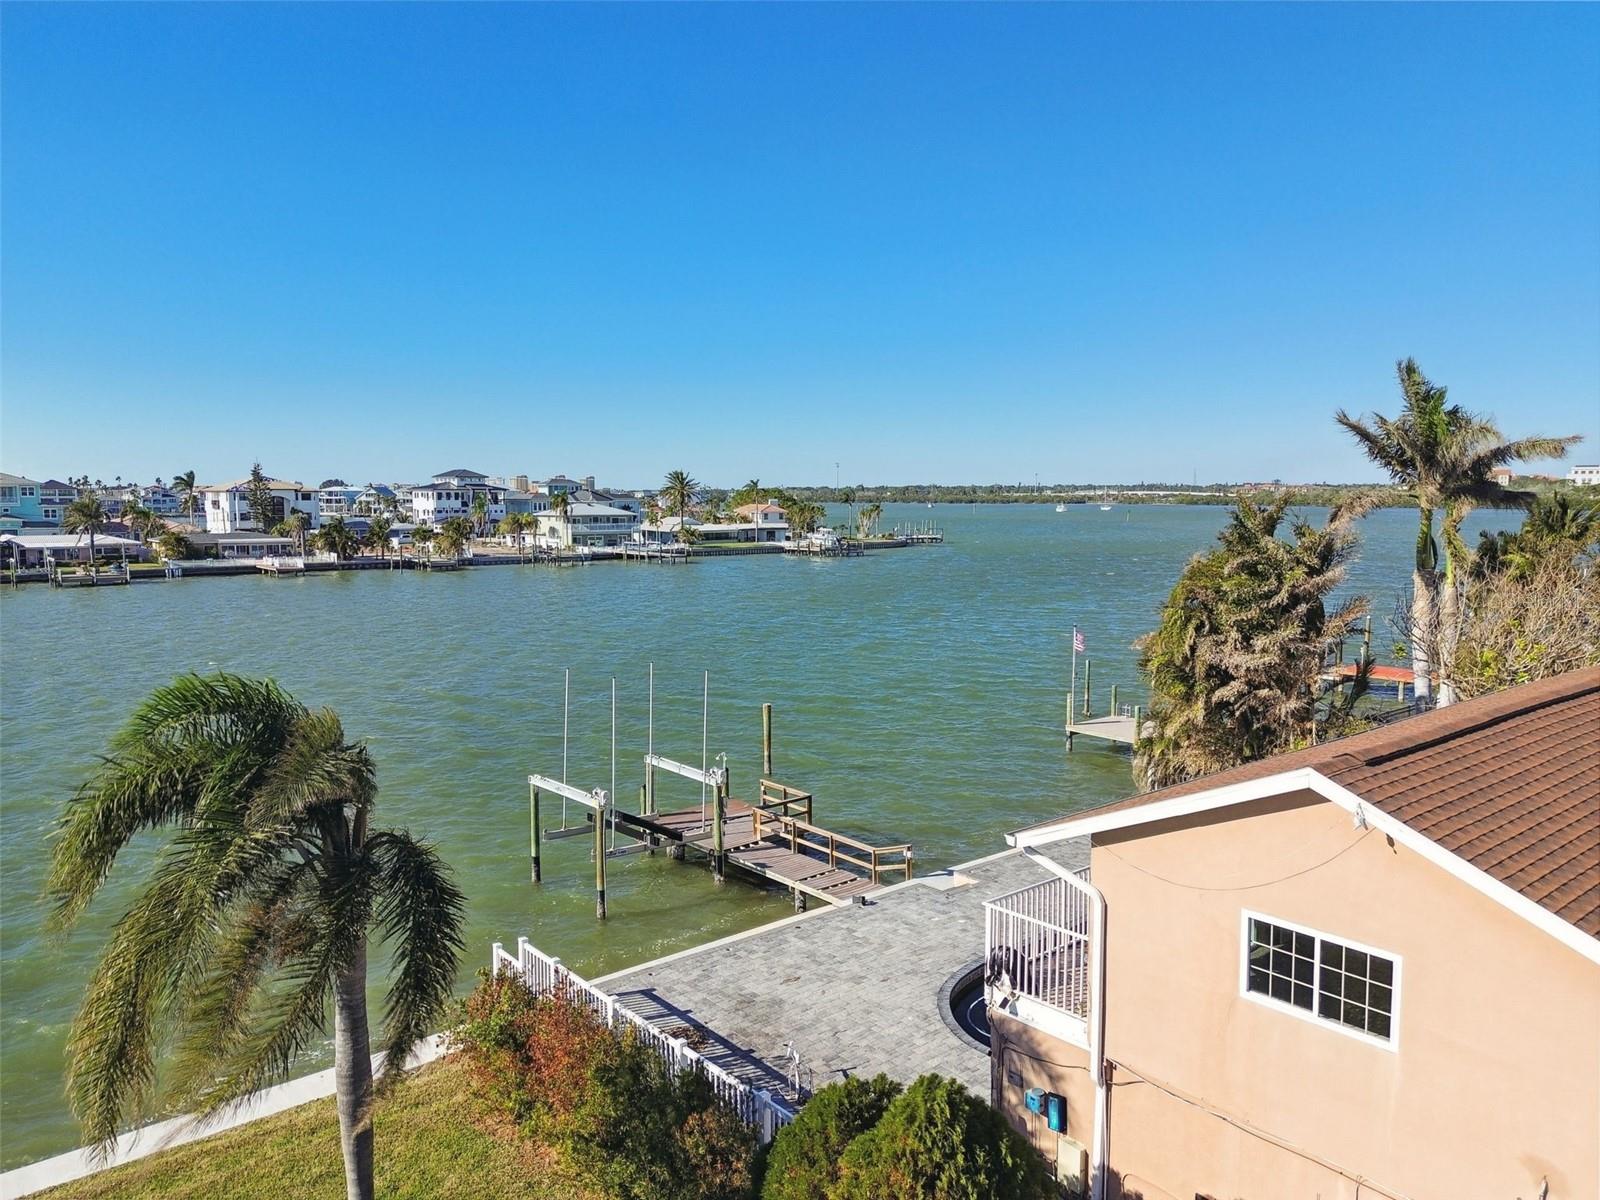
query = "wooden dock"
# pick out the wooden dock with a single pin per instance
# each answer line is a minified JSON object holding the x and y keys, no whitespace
{"x":1123,"y":730}
{"x":776,"y":840}
{"x":1379,"y":675}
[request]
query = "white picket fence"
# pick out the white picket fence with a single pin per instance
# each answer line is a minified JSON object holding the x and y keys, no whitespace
{"x":545,"y":975}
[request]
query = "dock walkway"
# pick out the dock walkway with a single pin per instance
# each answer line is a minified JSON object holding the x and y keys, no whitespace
{"x":775,"y":839}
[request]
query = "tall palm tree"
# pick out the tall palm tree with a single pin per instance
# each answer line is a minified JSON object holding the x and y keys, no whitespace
{"x":86,"y":517}
{"x":680,"y":493}
{"x":848,"y":497}
{"x":1233,"y":666}
{"x":184,"y":484}
{"x":869,"y":518}
{"x":420,"y":537}
{"x":255,"y":914}
{"x":1442,"y":455}
{"x":560,"y":505}
{"x":480,"y":512}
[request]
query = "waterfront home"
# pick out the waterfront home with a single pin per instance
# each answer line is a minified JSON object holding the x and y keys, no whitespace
{"x":586,"y":525}
{"x":239,"y":545}
{"x":1585,"y":475}
{"x":664,"y":531}
{"x":1368,"y":968}
{"x":337,"y":500}
{"x":770,"y":522}
{"x":19,"y":498}
{"x":227,"y":505}
{"x":376,"y":498}
{"x":451,"y":494}
{"x":54,"y":496}
{"x":42,"y":549}
{"x":531,"y":503}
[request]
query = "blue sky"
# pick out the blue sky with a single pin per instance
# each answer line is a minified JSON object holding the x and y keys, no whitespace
{"x":928,"y":243}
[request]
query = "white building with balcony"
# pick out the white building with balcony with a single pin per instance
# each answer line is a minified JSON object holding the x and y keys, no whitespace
{"x":227,"y":505}
{"x":1585,"y":474}
{"x":587,"y":525}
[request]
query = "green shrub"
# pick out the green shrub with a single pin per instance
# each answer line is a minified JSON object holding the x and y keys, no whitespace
{"x":937,"y":1141}
{"x":803,"y":1163}
{"x":604,"y":1099}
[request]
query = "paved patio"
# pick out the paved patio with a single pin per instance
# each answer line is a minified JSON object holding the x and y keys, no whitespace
{"x":855,"y":990}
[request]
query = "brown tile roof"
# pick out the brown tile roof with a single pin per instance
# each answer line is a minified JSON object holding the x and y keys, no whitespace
{"x":1509,"y":782}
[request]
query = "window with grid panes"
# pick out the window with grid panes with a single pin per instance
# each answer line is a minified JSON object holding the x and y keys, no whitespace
{"x":1322,"y":976}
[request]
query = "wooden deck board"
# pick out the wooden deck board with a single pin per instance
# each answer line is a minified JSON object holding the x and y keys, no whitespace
{"x":771,"y":856}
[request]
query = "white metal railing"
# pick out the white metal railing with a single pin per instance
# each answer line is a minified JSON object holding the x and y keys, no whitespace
{"x":1037,"y":944}
{"x":546,"y":975}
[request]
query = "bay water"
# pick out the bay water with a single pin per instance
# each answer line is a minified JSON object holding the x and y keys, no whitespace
{"x":919,"y":693}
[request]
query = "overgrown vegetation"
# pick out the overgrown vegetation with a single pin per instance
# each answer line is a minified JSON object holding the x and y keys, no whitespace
{"x":603,"y":1101}
{"x":614,"y":1114}
{"x":1233,"y":666}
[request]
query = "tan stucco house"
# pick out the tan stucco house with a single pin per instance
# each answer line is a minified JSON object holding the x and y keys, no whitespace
{"x":1370,"y":968}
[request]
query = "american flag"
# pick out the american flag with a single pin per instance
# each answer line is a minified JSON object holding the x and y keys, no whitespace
{"x":1077,"y":640}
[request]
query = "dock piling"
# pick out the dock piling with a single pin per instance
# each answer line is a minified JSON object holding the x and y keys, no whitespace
{"x":1088,"y":671}
{"x":533,"y":823}
{"x":766,"y":740}
{"x":600,"y":861}
{"x":718,"y":806}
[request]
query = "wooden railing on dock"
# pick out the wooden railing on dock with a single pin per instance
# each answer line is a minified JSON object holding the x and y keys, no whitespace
{"x":805,"y":838}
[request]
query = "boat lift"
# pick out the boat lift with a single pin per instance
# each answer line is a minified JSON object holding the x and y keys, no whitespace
{"x":598,"y":801}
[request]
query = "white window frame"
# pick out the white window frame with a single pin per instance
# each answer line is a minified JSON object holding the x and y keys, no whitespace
{"x":1391,"y":1043}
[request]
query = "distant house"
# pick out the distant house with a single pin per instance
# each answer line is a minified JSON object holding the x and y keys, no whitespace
{"x":54,"y":496}
{"x":40,"y":549}
{"x":451,"y":494}
{"x":337,"y":499}
{"x":1503,"y":476}
{"x":770,"y":522}
{"x":1585,"y":475}
{"x":227,"y":505}
{"x":19,"y":498}
{"x":1370,"y":967}
{"x":587,"y":525}
{"x":239,"y":545}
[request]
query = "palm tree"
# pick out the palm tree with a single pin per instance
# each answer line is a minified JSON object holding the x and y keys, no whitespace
{"x":255,"y":915}
{"x":516,"y":525}
{"x":1442,"y":455}
{"x":86,"y":516}
{"x":453,"y":536}
{"x":803,"y":515}
{"x":560,"y":505}
{"x":141,"y":521}
{"x":420,"y":537}
{"x":299,"y":525}
{"x":680,"y":493}
{"x":378,"y":535}
{"x":869,"y":518}
{"x":1556,"y":527}
{"x":338,"y":539}
{"x":172,"y":544}
{"x":480,"y":512}
{"x":184,"y":484}
{"x":1233,"y":666}
{"x":848,"y":496}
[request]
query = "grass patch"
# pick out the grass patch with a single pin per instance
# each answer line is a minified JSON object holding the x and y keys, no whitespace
{"x":432,"y":1139}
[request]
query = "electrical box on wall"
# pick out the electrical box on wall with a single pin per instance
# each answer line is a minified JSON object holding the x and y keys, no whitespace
{"x":1034,"y":1099}
{"x":1072,"y":1168}
{"x":1055,"y":1112}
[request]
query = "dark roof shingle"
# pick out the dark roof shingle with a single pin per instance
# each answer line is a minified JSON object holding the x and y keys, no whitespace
{"x":1508,"y":782}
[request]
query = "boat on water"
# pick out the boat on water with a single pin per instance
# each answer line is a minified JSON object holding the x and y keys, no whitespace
{"x":1061,"y":508}
{"x":1105,"y":500}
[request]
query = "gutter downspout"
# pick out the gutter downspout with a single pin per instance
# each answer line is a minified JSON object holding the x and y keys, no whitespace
{"x":1100,"y":1145}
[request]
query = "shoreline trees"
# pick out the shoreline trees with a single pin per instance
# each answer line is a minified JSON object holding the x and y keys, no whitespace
{"x":1442,"y":455}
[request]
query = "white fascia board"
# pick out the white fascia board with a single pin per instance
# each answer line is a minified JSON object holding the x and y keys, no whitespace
{"x":1535,"y":914}
{"x":1166,"y":810}
{"x":1308,"y":779}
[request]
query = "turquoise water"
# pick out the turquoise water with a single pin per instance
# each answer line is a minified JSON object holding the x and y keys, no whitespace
{"x":919,"y":693}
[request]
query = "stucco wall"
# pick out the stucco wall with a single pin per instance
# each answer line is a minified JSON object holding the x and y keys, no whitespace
{"x":1021,"y":1057}
{"x":1494,"y":1081}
